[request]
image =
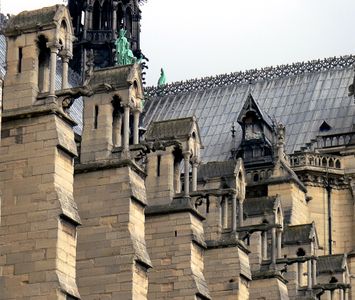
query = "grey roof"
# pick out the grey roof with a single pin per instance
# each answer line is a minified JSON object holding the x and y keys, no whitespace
{"x":116,"y":76}
{"x":76,"y":110}
{"x":217,"y":169}
{"x":259,"y":206}
{"x":2,"y":55}
{"x":331,"y":263}
{"x":33,"y":19}
{"x":300,"y":96}
{"x":298,"y":234}
{"x":170,"y":129}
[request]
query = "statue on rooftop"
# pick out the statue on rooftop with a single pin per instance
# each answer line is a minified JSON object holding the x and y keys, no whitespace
{"x":124,"y":54}
{"x":162,"y":78}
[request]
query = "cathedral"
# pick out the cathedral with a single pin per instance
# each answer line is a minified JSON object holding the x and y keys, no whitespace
{"x":236,"y":186}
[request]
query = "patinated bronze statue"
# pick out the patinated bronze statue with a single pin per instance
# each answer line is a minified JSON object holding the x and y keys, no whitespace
{"x":124,"y":54}
{"x":162,"y":78}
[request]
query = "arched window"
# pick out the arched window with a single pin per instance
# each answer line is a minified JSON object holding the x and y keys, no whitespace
{"x":300,"y":252}
{"x":331,"y":163}
{"x":117,"y":128}
{"x":256,"y":177}
{"x":324,"y":162}
{"x":178,"y":161}
{"x":120,"y":17}
{"x":96,"y":16}
{"x":43,"y":64}
{"x":129,"y":21}
{"x":333,"y":280}
{"x":337,"y":164}
{"x":106,"y":13}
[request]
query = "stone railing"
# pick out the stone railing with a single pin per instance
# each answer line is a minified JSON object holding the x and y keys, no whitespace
{"x":315,"y":160}
{"x":335,"y":140}
{"x":99,"y":35}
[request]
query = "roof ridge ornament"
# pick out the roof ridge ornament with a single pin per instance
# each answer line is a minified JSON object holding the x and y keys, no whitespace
{"x":252,"y":76}
{"x":162,"y":78}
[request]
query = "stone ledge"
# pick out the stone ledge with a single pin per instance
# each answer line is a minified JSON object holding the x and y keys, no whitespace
{"x":68,"y":285}
{"x":280,"y":180}
{"x":36,"y":111}
{"x":226,"y":242}
{"x":199,"y":241}
{"x":141,"y":253}
{"x":332,"y":286}
{"x":178,"y":205}
{"x":68,"y":206}
{"x":108,"y":164}
{"x":258,"y":275}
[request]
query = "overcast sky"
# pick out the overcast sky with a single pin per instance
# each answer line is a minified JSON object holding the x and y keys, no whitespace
{"x":196,"y":38}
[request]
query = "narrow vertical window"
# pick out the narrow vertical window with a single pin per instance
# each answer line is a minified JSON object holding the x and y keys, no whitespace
{"x":158,"y":165}
{"x":96,"y":116}
{"x":20,"y":55}
{"x":82,"y":20}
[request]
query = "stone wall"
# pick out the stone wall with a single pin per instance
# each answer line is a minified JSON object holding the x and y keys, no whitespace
{"x":112,"y":258}
{"x":38,"y":214}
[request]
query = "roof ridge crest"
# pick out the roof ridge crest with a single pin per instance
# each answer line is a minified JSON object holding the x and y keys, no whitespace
{"x":251,"y":75}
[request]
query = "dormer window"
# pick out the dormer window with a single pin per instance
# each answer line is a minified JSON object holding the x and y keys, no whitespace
{"x":324,"y":127}
{"x":252,"y":129}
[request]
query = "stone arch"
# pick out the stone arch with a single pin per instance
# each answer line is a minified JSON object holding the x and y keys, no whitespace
{"x":106,"y":12}
{"x":331,"y":163}
{"x":255,"y":177}
{"x":300,"y":252}
{"x":129,"y":21}
{"x":178,"y":166}
{"x":117,"y":128}
{"x":311,"y":160}
{"x":337,"y":164}
{"x":120,"y":17}
{"x":333,"y":280}
{"x":324,"y":162}
{"x":96,"y":15}
{"x":43,"y":63}
{"x":63,"y":34}
{"x":279,"y":216}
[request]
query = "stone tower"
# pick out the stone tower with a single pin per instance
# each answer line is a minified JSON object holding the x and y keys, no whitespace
{"x":110,"y":191}
{"x":96,"y":24}
{"x":38,"y":213}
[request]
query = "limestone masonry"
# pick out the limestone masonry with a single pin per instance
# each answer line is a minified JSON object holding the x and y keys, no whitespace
{"x":111,"y":191}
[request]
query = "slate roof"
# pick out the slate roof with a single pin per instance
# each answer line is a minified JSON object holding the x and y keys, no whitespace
{"x":216,"y":169}
{"x":170,"y":129}
{"x":300,"y":96}
{"x":33,"y":19}
{"x":297,"y":234}
{"x":330,"y":263}
{"x":76,"y":110}
{"x":259,"y":206}
{"x":116,"y":76}
{"x":2,"y":55}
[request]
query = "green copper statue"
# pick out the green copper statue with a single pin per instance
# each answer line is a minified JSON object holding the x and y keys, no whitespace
{"x":162,"y":78}
{"x":124,"y":54}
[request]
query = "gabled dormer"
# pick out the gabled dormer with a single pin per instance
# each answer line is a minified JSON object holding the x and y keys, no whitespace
{"x":258,"y":133}
{"x":175,"y":147}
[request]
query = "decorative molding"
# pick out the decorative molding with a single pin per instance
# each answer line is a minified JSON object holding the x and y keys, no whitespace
{"x":251,"y":76}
